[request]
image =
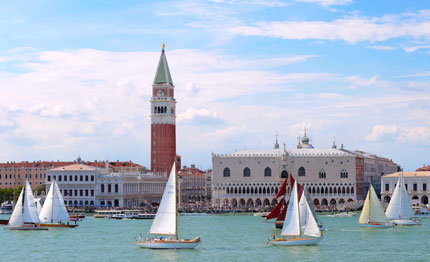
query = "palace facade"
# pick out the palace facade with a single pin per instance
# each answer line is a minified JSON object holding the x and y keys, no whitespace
{"x":252,"y":178}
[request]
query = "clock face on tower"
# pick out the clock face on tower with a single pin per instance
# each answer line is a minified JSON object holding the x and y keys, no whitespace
{"x":160,"y":93}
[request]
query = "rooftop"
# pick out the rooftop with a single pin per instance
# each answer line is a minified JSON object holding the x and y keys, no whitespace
{"x":410,"y":174}
{"x":74,"y":167}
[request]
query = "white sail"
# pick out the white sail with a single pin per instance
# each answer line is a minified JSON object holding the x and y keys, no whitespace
{"x":292,"y":221}
{"x":165,"y":220}
{"x":38,"y":206}
{"x":400,"y":205}
{"x":376,"y":212}
{"x":17,"y":218}
{"x":365,"y":212}
{"x":54,"y":209}
{"x":30,"y":210}
{"x":311,"y":228}
{"x":303,"y":208}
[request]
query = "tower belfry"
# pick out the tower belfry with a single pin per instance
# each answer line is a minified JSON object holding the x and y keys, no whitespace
{"x":163,"y":119}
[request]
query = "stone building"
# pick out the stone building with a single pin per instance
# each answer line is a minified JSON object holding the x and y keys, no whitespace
{"x":417,"y":184}
{"x":252,"y":178}
{"x":193,"y":184}
{"x":85,"y":185}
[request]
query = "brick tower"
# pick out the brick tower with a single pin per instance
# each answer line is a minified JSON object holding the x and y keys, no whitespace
{"x":163,"y":119}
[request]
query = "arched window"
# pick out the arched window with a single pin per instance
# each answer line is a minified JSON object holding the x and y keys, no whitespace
{"x":226,"y":172}
{"x":302,"y":171}
{"x":116,"y":188}
{"x":344,"y":173}
{"x":228,"y":190}
{"x":102,"y":188}
{"x":246,"y":172}
{"x":109,"y":188}
{"x":352,"y":190}
{"x":267,"y":171}
{"x":284,"y":174}
{"x":322,"y":174}
{"x":264,"y":190}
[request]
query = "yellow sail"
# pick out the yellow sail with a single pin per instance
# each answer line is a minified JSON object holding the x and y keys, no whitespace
{"x":365,"y":213}
{"x":377,"y":214}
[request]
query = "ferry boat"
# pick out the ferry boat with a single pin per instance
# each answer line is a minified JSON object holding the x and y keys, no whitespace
{"x":144,"y":216}
{"x":6,"y":207}
{"x":106,"y":213}
{"x":122,"y":216}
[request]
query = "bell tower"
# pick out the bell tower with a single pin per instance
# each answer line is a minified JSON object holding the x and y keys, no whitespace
{"x":163,"y":119}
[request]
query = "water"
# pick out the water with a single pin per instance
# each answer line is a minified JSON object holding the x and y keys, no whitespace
{"x":224,"y":238}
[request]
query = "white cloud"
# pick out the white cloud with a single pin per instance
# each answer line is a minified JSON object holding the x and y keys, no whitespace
{"x":201,"y":116}
{"x":411,"y":49}
{"x":417,"y":134}
{"x":326,"y":3}
{"x":381,"y":131}
{"x":331,"y":96}
{"x":419,"y":74}
{"x":357,"y":81}
{"x":382,"y":47}
{"x":349,"y":29}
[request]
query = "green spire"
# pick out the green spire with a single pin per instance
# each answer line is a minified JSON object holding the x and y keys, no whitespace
{"x":163,"y":73}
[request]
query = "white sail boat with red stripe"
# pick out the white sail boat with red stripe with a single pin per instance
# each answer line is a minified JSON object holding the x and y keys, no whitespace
{"x":164,"y":228}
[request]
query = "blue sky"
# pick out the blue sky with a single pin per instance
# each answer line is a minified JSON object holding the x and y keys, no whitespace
{"x":76,"y":76}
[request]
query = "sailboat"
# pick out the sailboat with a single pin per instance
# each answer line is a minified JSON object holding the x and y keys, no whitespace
{"x":24,"y":215}
{"x":166,"y":221}
{"x":298,"y":231}
{"x":399,"y":209}
{"x":54,"y":210}
{"x":372,"y":214}
{"x":305,"y":204}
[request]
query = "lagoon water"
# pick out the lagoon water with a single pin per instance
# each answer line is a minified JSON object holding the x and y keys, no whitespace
{"x":224,"y":238}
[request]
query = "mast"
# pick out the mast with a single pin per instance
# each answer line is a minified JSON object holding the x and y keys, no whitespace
{"x":370,"y":203}
{"x":176,"y":199}
{"x":53,"y":200}
{"x":401,"y":194}
{"x":298,"y":209}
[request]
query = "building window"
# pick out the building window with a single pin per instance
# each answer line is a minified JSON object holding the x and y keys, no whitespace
{"x":406,"y":186}
{"x":387,"y":187}
{"x":76,"y":192}
{"x":76,"y":178}
{"x":65,"y":177}
{"x":86,"y":192}
{"x":344,"y":173}
{"x":226,"y":172}
{"x":109,"y":188}
{"x":92,"y":192}
{"x":246,"y":172}
{"x":86,"y":178}
{"x":415,"y":187}
{"x":284,"y":174}
{"x":59,"y":178}
{"x":116,"y":188}
{"x":49,"y":178}
{"x":81,"y":178}
{"x":102,"y":188}
{"x":302,"y":171}
{"x":424,"y":186}
{"x":322,"y":174}
{"x":267,"y":171}
{"x":92,"y":178}
{"x":81,"y":192}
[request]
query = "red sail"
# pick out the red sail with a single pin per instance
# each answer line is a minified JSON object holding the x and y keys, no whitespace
{"x":283,"y":213}
{"x":283,"y":189}
{"x":276,"y":211}
{"x":300,"y":188}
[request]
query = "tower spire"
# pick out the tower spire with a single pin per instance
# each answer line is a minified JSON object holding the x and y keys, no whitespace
{"x":276,"y":141}
{"x":162,"y":76}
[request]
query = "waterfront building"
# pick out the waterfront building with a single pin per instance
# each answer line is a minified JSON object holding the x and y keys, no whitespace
{"x":107,"y":184}
{"x":252,"y":178}
{"x":193,"y":185}
{"x":417,"y":184}
{"x":13,"y":174}
{"x":163,"y":120}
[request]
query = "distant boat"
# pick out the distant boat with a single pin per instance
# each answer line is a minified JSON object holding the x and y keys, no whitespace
{"x":54,"y":212}
{"x":399,"y":209}
{"x":24,"y":215}
{"x":372,"y":214}
{"x":166,"y":221}
{"x":297,"y":230}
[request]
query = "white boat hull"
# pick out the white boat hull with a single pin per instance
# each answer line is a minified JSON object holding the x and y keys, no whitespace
{"x":297,"y":242}
{"x":175,"y":244}
{"x":407,"y":222}
{"x":25,"y":228}
{"x":377,"y":226}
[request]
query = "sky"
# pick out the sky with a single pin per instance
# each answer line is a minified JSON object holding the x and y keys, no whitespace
{"x":76,"y":77}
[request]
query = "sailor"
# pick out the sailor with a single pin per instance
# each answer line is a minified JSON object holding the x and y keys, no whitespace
{"x":274,"y":235}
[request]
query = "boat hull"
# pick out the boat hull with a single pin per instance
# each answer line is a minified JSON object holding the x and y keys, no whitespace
{"x":377,"y":225}
{"x":25,"y":228}
{"x":58,"y":225}
{"x":407,"y":222}
{"x":174,"y":244}
{"x":296,"y":242}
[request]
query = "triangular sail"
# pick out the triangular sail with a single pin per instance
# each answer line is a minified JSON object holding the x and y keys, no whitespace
{"x":400,"y":205}
{"x":30,"y":210}
{"x":365,"y":212}
{"x":311,"y":228}
{"x":277,"y":210}
{"x":54,"y":209}
{"x":17,"y":218}
{"x":303,"y":207}
{"x":283,"y":189}
{"x":292,"y":221}
{"x":165,"y":220}
{"x":376,"y":212}
{"x":38,"y":206}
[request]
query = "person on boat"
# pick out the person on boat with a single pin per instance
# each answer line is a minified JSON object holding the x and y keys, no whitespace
{"x":274,"y":235}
